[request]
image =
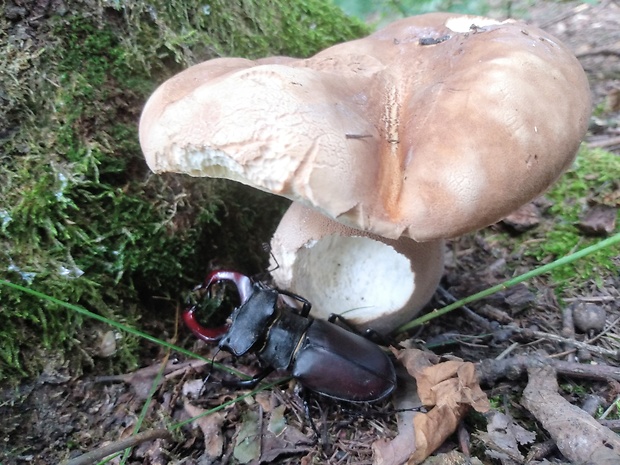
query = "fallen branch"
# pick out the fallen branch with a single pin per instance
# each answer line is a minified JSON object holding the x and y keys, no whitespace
{"x":599,"y":51}
{"x":489,"y":371}
{"x":564,"y":16}
{"x":578,"y":436}
{"x":613,"y":425}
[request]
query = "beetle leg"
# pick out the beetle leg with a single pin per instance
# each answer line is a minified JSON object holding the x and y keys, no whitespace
{"x":342,"y":321}
{"x":247,"y":383}
{"x":370,"y":334}
{"x":305,"y":311}
{"x":304,"y":398}
{"x":306,"y":305}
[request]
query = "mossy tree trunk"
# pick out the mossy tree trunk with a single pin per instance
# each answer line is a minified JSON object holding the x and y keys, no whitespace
{"x":81,"y":218}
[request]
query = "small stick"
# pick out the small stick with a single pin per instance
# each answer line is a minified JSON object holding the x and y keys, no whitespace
{"x":613,"y":425}
{"x":603,"y":298}
{"x":357,"y":136}
{"x":495,"y":314}
{"x":482,"y":321}
{"x":605,"y":142}
{"x":568,"y":331}
{"x":529,"y":333}
{"x":541,"y":450}
{"x":605,"y":331}
{"x":505,"y":353}
{"x":132,"y":441}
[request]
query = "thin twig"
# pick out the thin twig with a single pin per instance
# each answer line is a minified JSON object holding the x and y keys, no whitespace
{"x":564,"y":16}
{"x":605,"y":142}
{"x":507,"y":351}
{"x":482,"y":321}
{"x":604,"y":332}
{"x":593,"y":298}
{"x":132,"y":441}
{"x":614,"y":354}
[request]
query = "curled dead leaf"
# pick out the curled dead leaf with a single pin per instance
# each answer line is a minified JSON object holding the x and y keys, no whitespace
{"x":452,"y":383}
{"x":211,"y":427}
{"x":449,"y":389}
{"x":504,"y":437}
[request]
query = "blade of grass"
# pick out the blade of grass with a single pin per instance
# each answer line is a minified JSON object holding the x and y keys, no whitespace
{"x":86,"y":457}
{"x":260,"y":388}
{"x":512,"y":282}
{"x":152,"y":390}
{"x":121,"y":326}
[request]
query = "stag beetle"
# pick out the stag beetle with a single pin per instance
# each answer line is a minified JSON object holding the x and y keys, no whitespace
{"x":321,"y":355}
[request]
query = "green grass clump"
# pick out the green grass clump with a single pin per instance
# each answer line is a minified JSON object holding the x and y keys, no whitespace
{"x":81,"y":218}
{"x":593,"y":179}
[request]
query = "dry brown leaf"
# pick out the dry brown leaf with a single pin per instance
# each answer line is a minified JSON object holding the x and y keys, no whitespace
{"x":503,"y":438}
{"x":290,"y":441}
{"x":450,"y":388}
{"x":450,"y":383}
{"x":211,"y":427}
{"x":599,"y":220}
{"x":398,"y":450}
{"x":523,"y":218}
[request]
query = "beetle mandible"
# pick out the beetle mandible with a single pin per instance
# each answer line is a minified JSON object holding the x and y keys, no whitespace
{"x":321,"y":355}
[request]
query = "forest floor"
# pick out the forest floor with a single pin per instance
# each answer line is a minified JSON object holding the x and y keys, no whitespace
{"x":46,"y":418}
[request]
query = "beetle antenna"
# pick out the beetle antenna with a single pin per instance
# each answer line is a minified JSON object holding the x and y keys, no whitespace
{"x":211,"y":364}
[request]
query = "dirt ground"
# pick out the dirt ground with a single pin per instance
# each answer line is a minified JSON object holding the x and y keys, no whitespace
{"x":45,"y":418}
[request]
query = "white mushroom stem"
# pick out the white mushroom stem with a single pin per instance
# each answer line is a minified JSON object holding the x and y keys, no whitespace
{"x":372,"y":281}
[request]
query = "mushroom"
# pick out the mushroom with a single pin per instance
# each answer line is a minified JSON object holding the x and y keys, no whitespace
{"x":432,"y":127}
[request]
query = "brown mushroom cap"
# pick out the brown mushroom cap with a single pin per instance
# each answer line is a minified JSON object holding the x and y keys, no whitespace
{"x":429,"y":128}
{"x":372,"y":281}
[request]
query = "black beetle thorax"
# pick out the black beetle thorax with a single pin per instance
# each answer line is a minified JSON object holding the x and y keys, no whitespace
{"x":283,"y":339}
{"x":250,"y":321}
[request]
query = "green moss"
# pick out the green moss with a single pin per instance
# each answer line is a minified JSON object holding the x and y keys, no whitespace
{"x":81,"y":219}
{"x":594,"y":177}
